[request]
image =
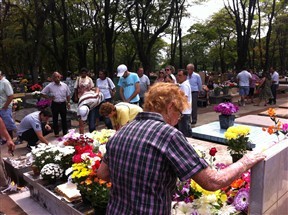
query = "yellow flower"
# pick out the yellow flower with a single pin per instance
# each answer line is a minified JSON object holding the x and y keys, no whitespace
{"x":198,"y":188}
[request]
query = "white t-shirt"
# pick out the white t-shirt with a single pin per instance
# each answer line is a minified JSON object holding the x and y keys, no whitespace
{"x":105,"y":86}
{"x":144,"y":84}
{"x":185,"y":87}
{"x":275,"y":77}
{"x":244,"y":78}
{"x":5,"y":91}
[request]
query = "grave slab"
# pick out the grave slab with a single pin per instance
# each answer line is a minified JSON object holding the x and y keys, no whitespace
{"x":259,"y":140}
{"x":257,"y":120}
{"x":280,"y":112}
{"x":284,"y":105}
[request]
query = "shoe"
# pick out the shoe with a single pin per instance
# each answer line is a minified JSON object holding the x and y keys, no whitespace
{"x":193,"y":122}
{"x":18,"y":141}
{"x":56,"y":135}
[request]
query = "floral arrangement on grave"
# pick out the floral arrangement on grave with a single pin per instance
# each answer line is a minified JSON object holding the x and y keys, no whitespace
{"x":90,"y":149}
{"x":36,"y":91}
{"x":36,"y":87}
{"x":226,"y":108}
{"x":51,"y":154}
{"x":217,"y":90}
{"x":191,"y":198}
{"x":237,"y":140}
{"x":278,"y":127}
{"x":43,"y":103}
{"x":16,"y":104}
{"x":51,"y":172}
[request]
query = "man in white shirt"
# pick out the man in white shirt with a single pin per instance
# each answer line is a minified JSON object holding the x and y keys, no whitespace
{"x":184,"y":123}
{"x":274,"y":85}
{"x":144,"y":84}
{"x":196,"y":86}
{"x":244,"y":78}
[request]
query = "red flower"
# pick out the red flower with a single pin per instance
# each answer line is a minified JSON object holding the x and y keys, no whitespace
{"x":212,"y":151}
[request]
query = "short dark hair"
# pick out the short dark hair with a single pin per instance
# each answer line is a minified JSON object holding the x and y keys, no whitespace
{"x":83,"y":69}
{"x":46,"y":112}
{"x":185,"y":72}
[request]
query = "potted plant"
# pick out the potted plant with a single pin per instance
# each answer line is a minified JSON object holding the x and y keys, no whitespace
{"x":217,"y":90}
{"x":226,"y":118}
{"x":237,"y":141}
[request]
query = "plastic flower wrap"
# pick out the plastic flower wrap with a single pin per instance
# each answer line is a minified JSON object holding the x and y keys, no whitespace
{"x":237,"y":139}
{"x":278,"y":126}
{"x":226,"y":108}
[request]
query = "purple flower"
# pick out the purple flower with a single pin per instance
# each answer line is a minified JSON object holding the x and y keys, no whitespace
{"x":285,"y":127}
{"x":226,"y":108}
{"x":241,"y":200}
{"x":43,"y":103}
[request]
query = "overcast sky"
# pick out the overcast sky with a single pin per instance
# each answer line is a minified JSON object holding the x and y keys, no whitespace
{"x":200,"y":13}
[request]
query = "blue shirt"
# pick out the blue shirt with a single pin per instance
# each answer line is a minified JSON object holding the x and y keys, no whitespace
{"x":195,"y":82}
{"x":145,"y":157}
{"x":128,"y":85}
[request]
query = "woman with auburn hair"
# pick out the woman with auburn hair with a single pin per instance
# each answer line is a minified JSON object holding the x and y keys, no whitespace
{"x":144,"y":158}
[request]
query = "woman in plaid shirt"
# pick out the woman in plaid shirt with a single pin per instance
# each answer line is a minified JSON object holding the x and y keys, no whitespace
{"x":145,"y":157}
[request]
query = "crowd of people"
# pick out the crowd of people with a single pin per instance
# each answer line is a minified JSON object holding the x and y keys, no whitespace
{"x":152,"y":124}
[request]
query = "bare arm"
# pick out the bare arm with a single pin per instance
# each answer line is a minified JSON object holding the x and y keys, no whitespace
{"x":103,"y":172}
{"x":41,"y":137}
{"x":137,"y":91}
{"x":212,"y":180}
{"x":122,"y":94}
{"x":8,"y":101}
{"x":4,"y":133}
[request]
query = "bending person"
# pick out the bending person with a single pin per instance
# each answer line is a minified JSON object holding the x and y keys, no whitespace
{"x":119,"y":114}
{"x":87,"y":109}
{"x":34,"y":127}
{"x":144,"y":158}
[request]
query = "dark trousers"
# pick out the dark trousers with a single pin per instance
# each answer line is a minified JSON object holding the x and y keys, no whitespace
{"x":184,"y":125}
{"x":31,"y":137}
{"x":194,"y":106}
{"x":274,"y":88}
{"x":94,"y":114}
{"x":59,"y":108}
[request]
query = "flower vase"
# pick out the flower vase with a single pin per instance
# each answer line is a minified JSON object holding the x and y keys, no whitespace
{"x":99,"y":210}
{"x":225,"y":91}
{"x":217,"y":92}
{"x":36,"y":170}
{"x":226,"y":121}
{"x":236,"y":157}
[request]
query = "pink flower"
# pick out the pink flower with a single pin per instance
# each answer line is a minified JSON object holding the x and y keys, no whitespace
{"x":226,"y":108}
{"x":285,"y":127}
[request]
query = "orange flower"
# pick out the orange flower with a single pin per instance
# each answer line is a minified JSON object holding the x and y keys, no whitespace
{"x":263,"y":129}
{"x":88,"y":181}
{"x":270,"y":130}
{"x":237,"y":183}
{"x":109,"y":184}
{"x":271,"y":112}
{"x":101,"y":181}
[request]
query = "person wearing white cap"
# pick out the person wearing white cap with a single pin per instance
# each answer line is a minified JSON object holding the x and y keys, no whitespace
{"x":87,"y":108}
{"x":129,"y":84}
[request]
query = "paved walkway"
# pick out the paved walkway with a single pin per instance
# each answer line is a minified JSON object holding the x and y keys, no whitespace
{"x":205,"y":115}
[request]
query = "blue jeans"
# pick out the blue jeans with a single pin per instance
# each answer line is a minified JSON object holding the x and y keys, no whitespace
{"x":6,"y":115}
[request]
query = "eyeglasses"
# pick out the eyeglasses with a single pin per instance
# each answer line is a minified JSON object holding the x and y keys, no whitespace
{"x":167,"y":69}
{"x":161,"y":72}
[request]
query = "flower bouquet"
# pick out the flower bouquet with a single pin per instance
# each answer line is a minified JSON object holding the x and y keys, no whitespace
{"x":46,"y":154}
{"x":278,"y":126}
{"x":90,"y":149}
{"x":191,"y":198}
{"x":226,"y":118}
{"x":43,"y":103}
{"x":36,"y":87}
{"x":16,"y":104}
{"x":51,"y":172}
{"x":237,"y":140}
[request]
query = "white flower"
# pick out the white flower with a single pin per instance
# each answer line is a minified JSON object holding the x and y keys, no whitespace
{"x":183,"y":208}
{"x":102,"y":149}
